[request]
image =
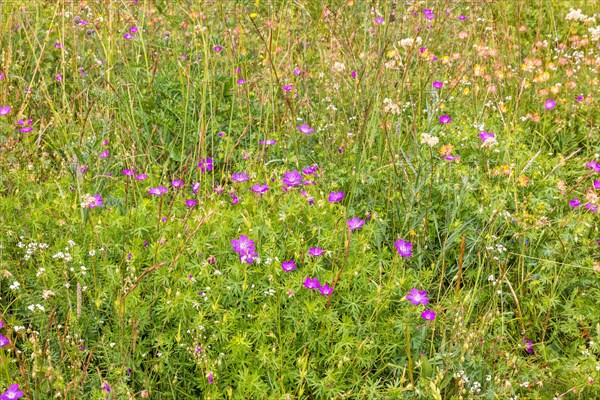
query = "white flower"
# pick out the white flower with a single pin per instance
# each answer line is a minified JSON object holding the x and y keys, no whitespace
{"x":15,"y":285}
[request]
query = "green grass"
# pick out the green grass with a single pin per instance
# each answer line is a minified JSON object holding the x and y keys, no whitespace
{"x":152,"y":308}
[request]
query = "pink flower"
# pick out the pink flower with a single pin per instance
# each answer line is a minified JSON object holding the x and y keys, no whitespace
{"x":549,"y":104}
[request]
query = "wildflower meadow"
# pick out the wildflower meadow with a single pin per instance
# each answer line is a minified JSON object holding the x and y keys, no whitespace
{"x":299,"y":199}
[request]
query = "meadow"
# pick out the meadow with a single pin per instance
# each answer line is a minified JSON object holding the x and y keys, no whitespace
{"x":299,"y":199}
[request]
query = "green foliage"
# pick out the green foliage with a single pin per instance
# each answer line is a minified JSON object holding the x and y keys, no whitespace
{"x":147,"y":295}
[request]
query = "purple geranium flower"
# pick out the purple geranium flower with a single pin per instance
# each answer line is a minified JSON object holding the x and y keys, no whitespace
{"x":334,"y":197}
{"x":4,"y":110}
{"x":355,"y":223}
{"x":12,"y":393}
{"x":305,"y":128}
{"x":575,"y":202}
{"x":297,"y":71}
{"x":292,"y":178}
{"x":96,"y":201}
{"x":404,"y":248}
{"x":417,"y":297}
{"x":288,"y":266}
{"x":104,"y":154}
{"x":206,"y":164}
{"x":158,"y":191}
{"x":594,"y":165}
{"x":438,"y":84}
{"x":191,"y":203}
{"x":379,"y":21}
{"x":445,"y":119}
{"x":549,"y":104}
{"x":428,"y":315}
{"x":260,"y":189}
{"x":141,"y":177}
{"x":326,"y":290}
{"x":315,"y":251}
{"x":288,"y":88}
{"x":239,"y":177}
{"x":596,"y":184}
{"x":129,"y":172}
{"x":128,"y":36}
{"x":528,"y":345}
{"x":217,"y":48}
{"x":4,"y":341}
{"x":268,"y":142}
{"x":106,"y":387}
{"x":241,"y":81}
{"x":485,"y":136}
{"x":195,"y":187}
{"x":311,"y":283}
{"x":177,"y":183}
{"x":234,"y":198}
{"x":310,"y":170}
{"x":210,"y":378}
{"x":133,"y":29}
{"x":243,"y":244}
{"x":591,"y":207}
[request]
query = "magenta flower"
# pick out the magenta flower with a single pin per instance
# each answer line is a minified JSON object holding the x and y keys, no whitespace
{"x":195,"y":187}
{"x":575,"y":202}
{"x":59,"y":77}
{"x":334,"y":197}
{"x":210,"y":378}
{"x":241,"y":81}
{"x":4,"y":110}
{"x":379,"y":21}
{"x":353,"y":74}
{"x":288,"y":266}
{"x":177,"y":183}
{"x":104,"y":154}
{"x":191,"y":203}
{"x":288,"y":88}
{"x":260,"y":189}
{"x":243,"y":244}
{"x":326,"y":290}
{"x":549,"y":104}
{"x":217,"y":48}
{"x":141,"y":177}
{"x":445,"y":119}
{"x":268,"y":142}
{"x":404,"y":248}
{"x":417,"y":297}
{"x":596,"y":184}
{"x":158,"y":191}
{"x":311,"y":283}
{"x":245,"y":249}
{"x":528,"y":345}
{"x":355,"y":223}
{"x":4,"y":341}
{"x":12,"y":393}
{"x":57,"y":45}
{"x":128,"y":172}
{"x":239,"y":177}
{"x":579,"y":98}
{"x":206,"y":164}
{"x":234,"y":198}
{"x":461,"y":18}
{"x":26,"y":124}
{"x":591,"y":207}
{"x":106,"y":387}
{"x":315,"y":251}
{"x":2,"y":324}
{"x":128,"y":36}
{"x":310,"y":170}
{"x":96,"y":201}
{"x":133,"y":29}
{"x":305,"y":128}
{"x":292,"y":178}
{"x":428,"y":315}
{"x":485,"y":136}
{"x":297,"y":71}
{"x":438,"y":84}
{"x":594,"y":165}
